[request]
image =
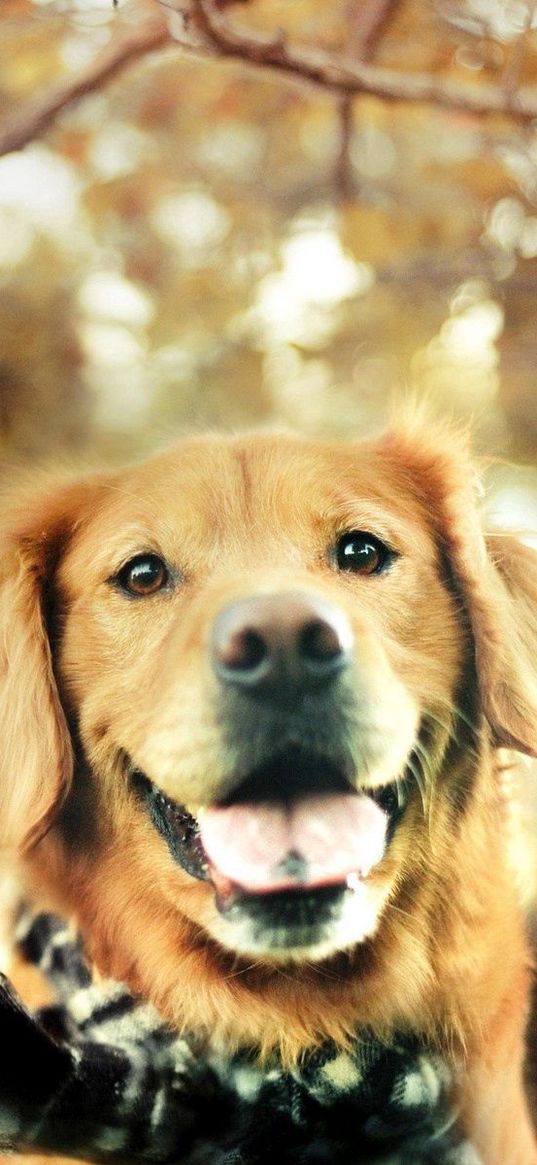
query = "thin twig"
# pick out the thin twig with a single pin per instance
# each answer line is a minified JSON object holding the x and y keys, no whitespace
{"x":367,"y":23}
{"x":343,"y":178}
{"x":510,"y":76}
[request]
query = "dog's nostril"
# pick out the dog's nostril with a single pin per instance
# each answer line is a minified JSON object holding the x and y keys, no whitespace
{"x":243,"y":651}
{"x":240,"y":651}
{"x":320,"y":642}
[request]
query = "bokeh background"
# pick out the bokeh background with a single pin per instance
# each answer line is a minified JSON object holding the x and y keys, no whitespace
{"x":204,"y":241}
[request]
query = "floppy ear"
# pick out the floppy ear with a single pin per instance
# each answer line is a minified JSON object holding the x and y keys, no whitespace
{"x":505,"y":631}
{"x":495,"y":576}
{"x":35,"y":751}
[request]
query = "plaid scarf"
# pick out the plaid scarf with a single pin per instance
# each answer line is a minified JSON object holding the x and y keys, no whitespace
{"x":98,"y":1075}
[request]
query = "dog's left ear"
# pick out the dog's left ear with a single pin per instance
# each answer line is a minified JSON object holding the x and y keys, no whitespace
{"x":494,"y":574}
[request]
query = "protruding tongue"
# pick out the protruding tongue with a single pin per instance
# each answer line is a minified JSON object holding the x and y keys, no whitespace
{"x":312,"y":841}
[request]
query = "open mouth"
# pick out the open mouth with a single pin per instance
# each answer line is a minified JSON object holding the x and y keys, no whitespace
{"x":294,"y":831}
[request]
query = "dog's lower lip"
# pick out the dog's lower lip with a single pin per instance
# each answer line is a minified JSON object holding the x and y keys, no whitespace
{"x":235,"y":901}
{"x":228,"y":894}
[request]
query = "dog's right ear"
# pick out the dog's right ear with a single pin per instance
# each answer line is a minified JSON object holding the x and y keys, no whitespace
{"x":36,"y":760}
{"x":494,"y":577}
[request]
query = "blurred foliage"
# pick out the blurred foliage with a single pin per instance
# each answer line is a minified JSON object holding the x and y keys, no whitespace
{"x":204,"y":242}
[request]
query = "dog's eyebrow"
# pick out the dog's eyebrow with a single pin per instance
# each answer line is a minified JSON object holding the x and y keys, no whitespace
{"x":362,"y":514}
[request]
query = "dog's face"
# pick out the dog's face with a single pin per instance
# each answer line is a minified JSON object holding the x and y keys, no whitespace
{"x":245,"y":648}
{"x":265,"y":656}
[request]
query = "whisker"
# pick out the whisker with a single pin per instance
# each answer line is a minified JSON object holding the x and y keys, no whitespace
{"x":399,"y":910}
{"x":425,"y":791}
{"x":243,"y":970}
{"x":322,"y":973}
{"x":461,"y":714}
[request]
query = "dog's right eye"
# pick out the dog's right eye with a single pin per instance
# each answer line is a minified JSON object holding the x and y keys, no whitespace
{"x":360,"y":553}
{"x":143,"y":575}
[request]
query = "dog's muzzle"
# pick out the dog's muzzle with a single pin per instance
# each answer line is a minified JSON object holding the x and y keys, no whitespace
{"x":291,"y":833}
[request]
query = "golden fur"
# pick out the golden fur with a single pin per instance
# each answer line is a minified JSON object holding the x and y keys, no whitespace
{"x":90,"y":679}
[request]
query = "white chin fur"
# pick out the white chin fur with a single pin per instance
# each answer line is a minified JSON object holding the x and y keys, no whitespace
{"x":354,"y":920}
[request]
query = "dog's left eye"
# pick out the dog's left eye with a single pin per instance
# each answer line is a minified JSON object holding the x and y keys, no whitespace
{"x":361,"y":553}
{"x":143,"y":575}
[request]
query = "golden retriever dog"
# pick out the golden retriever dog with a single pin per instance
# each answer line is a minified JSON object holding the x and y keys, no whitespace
{"x":256,"y":696}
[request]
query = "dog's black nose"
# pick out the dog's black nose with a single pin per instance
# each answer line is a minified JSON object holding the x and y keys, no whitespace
{"x":273,"y":642}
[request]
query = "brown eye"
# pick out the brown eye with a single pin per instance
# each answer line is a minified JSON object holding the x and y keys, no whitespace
{"x":361,"y":553}
{"x":144,"y":575}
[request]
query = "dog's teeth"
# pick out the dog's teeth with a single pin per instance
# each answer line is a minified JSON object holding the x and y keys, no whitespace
{"x":354,"y":880}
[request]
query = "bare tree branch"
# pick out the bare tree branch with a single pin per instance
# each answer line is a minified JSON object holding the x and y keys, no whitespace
{"x":202,"y":27}
{"x":37,"y":116}
{"x":341,"y":74}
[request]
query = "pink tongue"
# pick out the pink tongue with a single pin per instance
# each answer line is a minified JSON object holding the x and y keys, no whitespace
{"x":312,"y":841}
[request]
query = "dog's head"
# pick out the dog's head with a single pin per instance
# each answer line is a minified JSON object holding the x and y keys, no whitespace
{"x":249,"y":688}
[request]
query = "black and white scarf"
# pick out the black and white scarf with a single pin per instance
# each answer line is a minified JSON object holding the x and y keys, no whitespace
{"x":98,"y":1075}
